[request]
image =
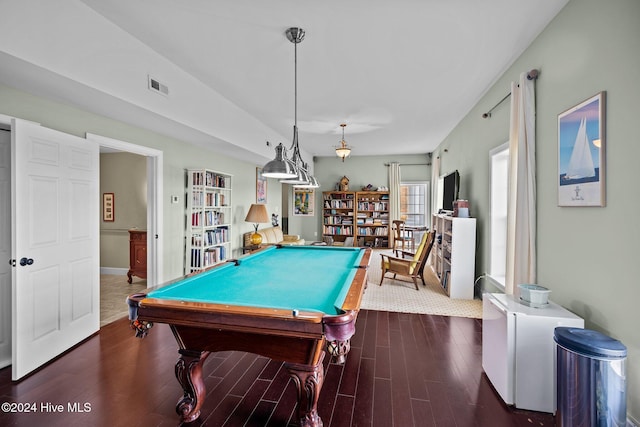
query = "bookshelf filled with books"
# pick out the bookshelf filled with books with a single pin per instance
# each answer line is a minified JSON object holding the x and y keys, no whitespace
{"x":356,"y":218}
{"x":453,"y":254}
{"x":208,"y":219}
{"x":372,"y":218}
{"x":337,"y":213}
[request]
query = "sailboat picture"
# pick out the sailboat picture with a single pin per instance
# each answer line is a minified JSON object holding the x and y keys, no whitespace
{"x":581,"y":154}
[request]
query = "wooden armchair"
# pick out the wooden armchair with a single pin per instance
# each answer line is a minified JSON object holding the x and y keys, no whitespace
{"x":413,"y":266}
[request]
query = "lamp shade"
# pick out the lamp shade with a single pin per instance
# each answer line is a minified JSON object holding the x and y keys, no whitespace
{"x":313,"y":183}
{"x":300,"y":179}
{"x":343,"y":151}
{"x":257,"y":214}
{"x":280,"y":167}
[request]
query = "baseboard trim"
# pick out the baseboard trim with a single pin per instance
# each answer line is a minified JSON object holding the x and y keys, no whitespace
{"x":114,"y":271}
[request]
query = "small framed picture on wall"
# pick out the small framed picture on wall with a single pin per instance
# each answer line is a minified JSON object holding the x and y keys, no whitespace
{"x":303,"y":201}
{"x":261,"y":187}
{"x":108,"y":207}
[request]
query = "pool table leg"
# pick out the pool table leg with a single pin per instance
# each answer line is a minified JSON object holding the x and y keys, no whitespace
{"x":308,"y":381}
{"x":189,"y":375}
{"x":339,"y":350}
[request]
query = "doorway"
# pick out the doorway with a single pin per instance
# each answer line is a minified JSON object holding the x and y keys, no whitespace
{"x":123,"y":230}
{"x":154,"y":162}
{"x":153,"y":225}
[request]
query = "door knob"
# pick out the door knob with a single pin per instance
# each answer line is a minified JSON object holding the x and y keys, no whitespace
{"x":26,"y":261}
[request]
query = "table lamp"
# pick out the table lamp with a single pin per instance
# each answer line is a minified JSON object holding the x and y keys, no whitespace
{"x":257,"y":214}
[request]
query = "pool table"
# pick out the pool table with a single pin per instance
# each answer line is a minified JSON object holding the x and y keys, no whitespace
{"x":287,"y":303}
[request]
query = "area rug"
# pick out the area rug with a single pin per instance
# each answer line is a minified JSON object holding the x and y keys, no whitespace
{"x":399,"y":295}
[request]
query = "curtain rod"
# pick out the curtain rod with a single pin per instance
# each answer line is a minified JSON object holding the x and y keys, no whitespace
{"x":410,"y":164}
{"x":531,"y":75}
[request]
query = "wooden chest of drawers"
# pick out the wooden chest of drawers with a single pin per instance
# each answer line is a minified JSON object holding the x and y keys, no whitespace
{"x":137,"y":254}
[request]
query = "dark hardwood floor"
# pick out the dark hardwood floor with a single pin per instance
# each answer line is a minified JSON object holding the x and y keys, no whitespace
{"x":403,"y":370}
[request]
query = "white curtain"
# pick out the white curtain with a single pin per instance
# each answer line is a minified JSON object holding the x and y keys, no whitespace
{"x":394,"y":194}
{"x":521,"y":210}
{"x":435,"y":176}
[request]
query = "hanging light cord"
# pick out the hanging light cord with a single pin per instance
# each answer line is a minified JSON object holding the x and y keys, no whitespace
{"x":295,"y":83}
{"x":294,"y":144}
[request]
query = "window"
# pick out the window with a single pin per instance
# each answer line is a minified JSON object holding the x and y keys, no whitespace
{"x":499,"y":158}
{"x":414,"y":199}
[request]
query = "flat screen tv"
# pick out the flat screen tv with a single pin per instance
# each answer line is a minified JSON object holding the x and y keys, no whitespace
{"x":450,"y":188}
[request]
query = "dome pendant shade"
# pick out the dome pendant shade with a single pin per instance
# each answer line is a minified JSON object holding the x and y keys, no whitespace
{"x":313,"y":183}
{"x":343,"y":150}
{"x":301,"y":179}
{"x":295,"y":34}
{"x":280,"y":167}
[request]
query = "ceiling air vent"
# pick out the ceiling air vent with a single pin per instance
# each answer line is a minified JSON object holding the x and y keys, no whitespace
{"x":156,"y":86}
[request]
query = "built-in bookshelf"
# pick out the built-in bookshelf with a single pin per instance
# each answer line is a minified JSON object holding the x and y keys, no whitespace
{"x":208,"y":219}
{"x":372,"y":218}
{"x":453,"y":254}
{"x":337,"y":216}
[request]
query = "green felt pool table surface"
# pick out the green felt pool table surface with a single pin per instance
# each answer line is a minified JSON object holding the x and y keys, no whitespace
{"x":304,"y":278}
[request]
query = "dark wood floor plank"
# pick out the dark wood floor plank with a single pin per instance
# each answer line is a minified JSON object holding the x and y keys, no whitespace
{"x":285,"y":408}
{"x":362,"y":411}
{"x":261,"y":414}
{"x":403,"y":369}
{"x":349,"y":381}
{"x":358,"y":338}
{"x":383,"y":362}
{"x":401,"y":397}
{"x":249,"y":376}
{"x":248,"y":405}
{"x":370,"y":336}
{"x":382,"y":407}
{"x":422,"y":413}
{"x":382,"y":337}
{"x":343,"y":412}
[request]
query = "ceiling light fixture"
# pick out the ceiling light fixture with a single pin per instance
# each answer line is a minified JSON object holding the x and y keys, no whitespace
{"x":292,"y":171}
{"x":343,"y":150}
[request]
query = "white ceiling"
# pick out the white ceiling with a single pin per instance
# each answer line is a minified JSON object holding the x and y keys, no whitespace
{"x":401,"y":74}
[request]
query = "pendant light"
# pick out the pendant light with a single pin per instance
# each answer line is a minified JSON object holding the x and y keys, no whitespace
{"x":280,"y":167}
{"x":343,"y":150}
{"x":313,"y":182}
{"x":295,"y":169}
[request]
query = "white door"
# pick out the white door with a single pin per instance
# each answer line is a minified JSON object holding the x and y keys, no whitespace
{"x":5,"y":248}
{"x":55,"y":242}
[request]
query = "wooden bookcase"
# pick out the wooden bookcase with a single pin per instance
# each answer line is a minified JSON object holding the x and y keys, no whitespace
{"x":453,"y":254}
{"x":372,"y":218}
{"x":337,"y":216}
{"x":208,"y":219}
{"x":356,"y":218}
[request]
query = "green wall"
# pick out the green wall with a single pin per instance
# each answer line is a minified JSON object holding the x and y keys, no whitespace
{"x":586,"y":256}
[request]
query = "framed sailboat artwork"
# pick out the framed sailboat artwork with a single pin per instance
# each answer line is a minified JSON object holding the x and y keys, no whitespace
{"x":581,"y":153}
